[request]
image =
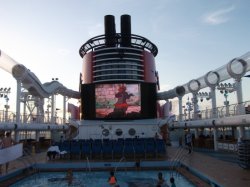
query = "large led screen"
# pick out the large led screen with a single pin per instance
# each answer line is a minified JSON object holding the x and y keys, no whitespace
{"x":115,"y":101}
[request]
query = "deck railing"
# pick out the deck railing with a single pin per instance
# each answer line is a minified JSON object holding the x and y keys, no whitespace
{"x":28,"y":118}
{"x":219,"y":112}
{"x":222,"y":111}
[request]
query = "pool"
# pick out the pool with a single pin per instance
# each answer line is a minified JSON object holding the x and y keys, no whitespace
{"x":100,"y":178}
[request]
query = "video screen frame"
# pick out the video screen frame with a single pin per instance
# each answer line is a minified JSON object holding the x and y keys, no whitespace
{"x":148,"y":101}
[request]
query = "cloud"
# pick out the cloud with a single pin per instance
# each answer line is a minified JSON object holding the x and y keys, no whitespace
{"x":165,"y":87}
{"x":94,"y":30}
{"x":89,"y":29}
{"x":63,"y":52}
{"x":219,"y":16}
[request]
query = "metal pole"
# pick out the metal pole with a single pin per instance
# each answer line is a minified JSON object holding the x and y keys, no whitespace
{"x":64,"y":109}
{"x":6,"y":106}
{"x":18,"y":95}
{"x":241,"y":108}
{"x":53,"y":108}
{"x":18,"y":101}
{"x":215,"y":139}
{"x":24,"y":109}
{"x":226,"y":104}
{"x":180,"y":109}
{"x":213,"y":100}
{"x":195,"y":104}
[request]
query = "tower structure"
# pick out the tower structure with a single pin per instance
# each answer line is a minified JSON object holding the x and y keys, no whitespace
{"x":119,"y":77}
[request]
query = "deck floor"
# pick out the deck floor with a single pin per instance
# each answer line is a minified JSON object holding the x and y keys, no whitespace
{"x":227,"y":174}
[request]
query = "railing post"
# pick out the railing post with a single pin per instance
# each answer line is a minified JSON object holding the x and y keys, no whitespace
{"x":215,"y":139}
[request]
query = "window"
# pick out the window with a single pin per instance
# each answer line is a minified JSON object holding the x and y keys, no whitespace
{"x":118,"y":132}
{"x":105,"y":132}
{"x":131,"y":132}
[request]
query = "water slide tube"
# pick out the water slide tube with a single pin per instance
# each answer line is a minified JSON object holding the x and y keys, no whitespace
{"x":31,"y":82}
{"x":236,"y":68}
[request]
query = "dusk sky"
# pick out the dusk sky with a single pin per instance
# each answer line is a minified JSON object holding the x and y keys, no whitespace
{"x":192,"y":36}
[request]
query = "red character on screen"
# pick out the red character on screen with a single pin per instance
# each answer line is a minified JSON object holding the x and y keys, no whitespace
{"x":121,"y":104}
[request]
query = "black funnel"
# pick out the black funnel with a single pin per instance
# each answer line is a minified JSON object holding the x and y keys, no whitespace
{"x":125,"y":31}
{"x":109,"y":22}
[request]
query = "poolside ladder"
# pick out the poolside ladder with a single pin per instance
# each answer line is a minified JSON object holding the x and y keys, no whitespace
{"x":29,"y":161}
{"x":179,"y":156}
{"x":88,"y":164}
{"x":119,"y":163}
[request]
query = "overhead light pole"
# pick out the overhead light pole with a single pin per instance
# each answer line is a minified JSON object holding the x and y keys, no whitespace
{"x":189,"y":108}
{"x":4,"y":92}
{"x":207,"y":97}
{"x":225,"y":89}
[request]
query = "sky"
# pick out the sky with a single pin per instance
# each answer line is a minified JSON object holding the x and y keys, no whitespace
{"x":192,"y":36}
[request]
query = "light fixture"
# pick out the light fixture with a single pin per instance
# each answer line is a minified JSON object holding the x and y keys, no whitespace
{"x":4,"y":92}
{"x":204,"y":95}
{"x":247,"y":76}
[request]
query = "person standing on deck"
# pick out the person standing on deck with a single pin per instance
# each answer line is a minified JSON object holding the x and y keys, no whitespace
{"x":188,"y":138}
{"x":7,"y":142}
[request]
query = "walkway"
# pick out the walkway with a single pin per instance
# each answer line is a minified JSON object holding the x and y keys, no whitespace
{"x":227,"y":174}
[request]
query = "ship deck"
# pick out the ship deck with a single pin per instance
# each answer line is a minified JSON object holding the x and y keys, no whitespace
{"x":224,"y":173}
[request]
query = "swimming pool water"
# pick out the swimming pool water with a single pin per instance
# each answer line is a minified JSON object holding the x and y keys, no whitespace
{"x":100,"y":179}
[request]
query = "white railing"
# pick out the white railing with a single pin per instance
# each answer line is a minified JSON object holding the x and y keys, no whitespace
{"x":222,"y":111}
{"x":228,"y":146}
{"x":28,"y":118}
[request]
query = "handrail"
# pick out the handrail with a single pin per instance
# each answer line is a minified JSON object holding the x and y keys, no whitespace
{"x":179,"y":156}
{"x":136,"y":41}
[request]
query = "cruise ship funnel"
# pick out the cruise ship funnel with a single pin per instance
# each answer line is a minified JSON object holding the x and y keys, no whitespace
{"x":109,"y":22}
{"x":125,"y":31}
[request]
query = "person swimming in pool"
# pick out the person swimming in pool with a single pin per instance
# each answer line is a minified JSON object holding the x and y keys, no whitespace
{"x":69,"y":176}
{"x":161,"y":181}
{"x":112,"y":179}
